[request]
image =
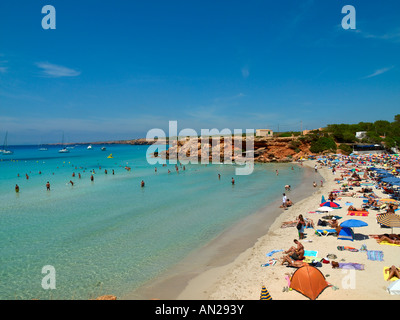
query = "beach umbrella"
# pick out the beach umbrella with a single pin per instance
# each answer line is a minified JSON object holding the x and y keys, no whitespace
{"x":265,"y":294}
{"x":324,"y":209}
{"x":330,"y":204}
{"x":387,"y":200}
{"x":353,"y":223}
{"x":389,"y":220}
{"x":323,"y":199}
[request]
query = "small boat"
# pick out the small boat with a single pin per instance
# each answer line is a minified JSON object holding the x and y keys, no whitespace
{"x":103,"y":149}
{"x":5,"y":151}
{"x":90,"y":147}
{"x":63,"y":150}
{"x":110,"y":156}
{"x":43,"y":149}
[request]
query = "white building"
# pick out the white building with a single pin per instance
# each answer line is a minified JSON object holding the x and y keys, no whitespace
{"x":361,"y":134}
{"x":264,"y":133}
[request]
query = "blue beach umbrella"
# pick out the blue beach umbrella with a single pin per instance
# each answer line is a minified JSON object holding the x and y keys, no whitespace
{"x":353,"y":223}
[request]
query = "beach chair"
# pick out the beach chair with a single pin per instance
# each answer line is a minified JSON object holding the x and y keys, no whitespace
{"x":325,"y":232}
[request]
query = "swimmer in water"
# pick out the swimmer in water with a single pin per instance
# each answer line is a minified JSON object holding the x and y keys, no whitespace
{"x":142,"y":184}
{"x":48,"y":186}
{"x":16,"y":188}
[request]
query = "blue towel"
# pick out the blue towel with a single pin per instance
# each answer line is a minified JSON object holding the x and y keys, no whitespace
{"x":310,"y":253}
{"x":375,"y":255}
{"x":272,"y":252}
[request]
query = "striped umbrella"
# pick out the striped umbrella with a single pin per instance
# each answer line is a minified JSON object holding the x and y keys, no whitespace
{"x":389,"y":201}
{"x":265,"y":294}
{"x":390,"y":220}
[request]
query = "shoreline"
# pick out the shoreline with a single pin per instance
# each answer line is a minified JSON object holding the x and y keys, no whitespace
{"x":190,"y":278}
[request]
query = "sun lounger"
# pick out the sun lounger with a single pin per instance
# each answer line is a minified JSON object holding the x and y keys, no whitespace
{"x":325,"y":232}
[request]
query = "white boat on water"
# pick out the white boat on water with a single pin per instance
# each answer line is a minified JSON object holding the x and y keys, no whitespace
{"x":43,"y":149}
{"x":103,"y":149}
{"x":5,"y":151}
{"x":90,"y":147}
{"x":64,"y":149}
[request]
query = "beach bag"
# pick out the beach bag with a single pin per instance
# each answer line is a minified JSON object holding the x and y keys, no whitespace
{"x":298,"y":226}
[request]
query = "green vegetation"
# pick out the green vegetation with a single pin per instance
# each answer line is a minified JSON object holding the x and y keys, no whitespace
{"x":323,"y":144}
{"x":380,"y":131}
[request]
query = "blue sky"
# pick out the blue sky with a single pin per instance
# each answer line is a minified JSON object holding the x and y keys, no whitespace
{"x":116,"y":69}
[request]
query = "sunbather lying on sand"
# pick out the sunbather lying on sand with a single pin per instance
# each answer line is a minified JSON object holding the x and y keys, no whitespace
{"x":390,"y":236}
{"x":347,"y":194}
{"x":352,"y":208}
{"x":393,"y":272}
{"x":387,"y":239}
{"x":293,"y":263}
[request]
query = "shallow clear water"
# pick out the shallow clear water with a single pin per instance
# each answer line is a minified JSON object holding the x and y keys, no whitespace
{"x":110,"y":236}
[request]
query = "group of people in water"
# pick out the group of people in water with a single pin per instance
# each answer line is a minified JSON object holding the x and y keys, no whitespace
{"x":142,"y":183}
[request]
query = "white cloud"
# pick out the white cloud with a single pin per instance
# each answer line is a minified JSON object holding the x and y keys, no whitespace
{"x":378,"y":72}
{"x":52,"y":70}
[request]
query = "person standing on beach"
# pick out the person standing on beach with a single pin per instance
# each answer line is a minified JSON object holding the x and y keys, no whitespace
{"x":300,"y":226}
{"x":316,"y":168}
{"x":284,"y":198}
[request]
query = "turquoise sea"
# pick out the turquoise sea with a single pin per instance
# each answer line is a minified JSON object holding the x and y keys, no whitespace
{"x":110,"y":236}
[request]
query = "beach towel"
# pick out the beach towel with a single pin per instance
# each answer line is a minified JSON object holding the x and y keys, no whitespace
{"x":386,"y":275}
{"x":310,"y":253}
{"x":351,"y":265}
{"x":341,"y":248}
{"x":358,"y":213}
{"x":375,"y":255}
{"x":271,"y":262}
{"x":272,"y":252}
{"x":389,"y":244}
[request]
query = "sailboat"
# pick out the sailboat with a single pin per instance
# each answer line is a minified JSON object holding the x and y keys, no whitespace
{"x":63,"y":150}
{"x":42,"y":148}
{"x":5,"y":151}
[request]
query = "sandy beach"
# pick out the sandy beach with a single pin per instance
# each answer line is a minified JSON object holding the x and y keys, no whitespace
{"x":243,"y":278}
